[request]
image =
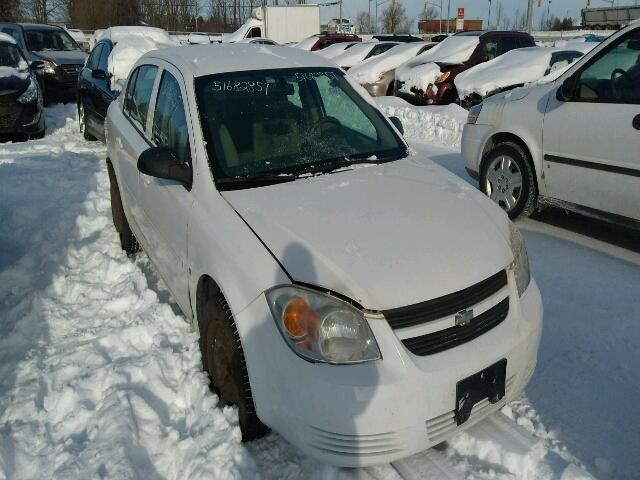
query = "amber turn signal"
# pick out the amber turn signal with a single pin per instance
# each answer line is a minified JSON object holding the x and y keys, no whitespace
{"x":299,"y":319}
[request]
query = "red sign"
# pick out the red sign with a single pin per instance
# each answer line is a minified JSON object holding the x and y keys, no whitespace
{"x":461,"y":13}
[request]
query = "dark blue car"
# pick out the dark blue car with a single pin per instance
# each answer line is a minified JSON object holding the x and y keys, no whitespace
{"x":94,"y":91}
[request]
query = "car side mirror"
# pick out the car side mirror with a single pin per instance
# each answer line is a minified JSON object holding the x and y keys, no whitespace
{"x":99,"y":74}
{"x":37,"y":65}
{"x":397,"y":123}
{"x":566,"y":90}
{"x":163,"y":162}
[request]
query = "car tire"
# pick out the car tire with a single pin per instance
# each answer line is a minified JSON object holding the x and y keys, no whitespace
{"x":223,"y":359}
{"x":128,"y":241}
{"x":508,"y":178}
{"x":82,"y":124}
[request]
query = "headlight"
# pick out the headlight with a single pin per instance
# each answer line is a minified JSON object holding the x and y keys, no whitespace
{"x":30,"y":94}
{"x":520,"y":263}
{"x":49,"y":67}
{"x":442,"y":77}
{"x":321,"y":328}
{"x":474,"y":113}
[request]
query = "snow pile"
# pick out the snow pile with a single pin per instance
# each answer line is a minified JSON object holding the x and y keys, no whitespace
{"x":419,"y":77}
{"x":130,"y":44}
{"x":334,"y":50}
{"x":99,"y":378}
{"x":420,"y":71}
{"x":307,"y":43}
{"x":354,"y":55}
{"x":515,"y":67}
{"x":5,"y":37}
{"x":370,"y":71}
{"x":433,"y":124}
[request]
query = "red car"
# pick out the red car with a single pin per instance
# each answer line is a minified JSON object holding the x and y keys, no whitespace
{"x":491,"y":44}
{"x":320,"y":41}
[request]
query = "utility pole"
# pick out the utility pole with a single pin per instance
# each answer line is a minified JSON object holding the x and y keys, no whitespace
{"x":489,"y":18}
{"x":440,"y":16}
{"x":340,"y":23}
{"x":448,"y":17}
{"x":530,"y":17}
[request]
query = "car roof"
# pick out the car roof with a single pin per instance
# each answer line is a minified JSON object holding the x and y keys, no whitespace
{"x":39,"y":26}
{"x":200,"y":60}
{"x":482,"y":33}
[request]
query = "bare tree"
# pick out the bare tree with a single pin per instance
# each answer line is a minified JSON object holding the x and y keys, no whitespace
{"x":364,"y":22}
{"x":429,"y":13}
{"x":395,"y":20}
{"x":9,"y":10}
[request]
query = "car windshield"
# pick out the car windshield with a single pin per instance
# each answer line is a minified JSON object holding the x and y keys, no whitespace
{"x":11,"y":57}
{"x":290,"y":121}
{"x":49,"y":39}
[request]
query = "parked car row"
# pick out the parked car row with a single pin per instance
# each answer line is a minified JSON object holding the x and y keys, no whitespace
{"x":463,"y":68}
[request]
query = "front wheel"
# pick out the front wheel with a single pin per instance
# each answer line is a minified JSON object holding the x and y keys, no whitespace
{"x":128,"y":241}
{"x":223,"y":359}
{"x":508,"y":178}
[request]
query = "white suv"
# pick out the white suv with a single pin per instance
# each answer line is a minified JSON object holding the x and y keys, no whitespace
{"x":364,"y":303}
{"x":573,"y":142}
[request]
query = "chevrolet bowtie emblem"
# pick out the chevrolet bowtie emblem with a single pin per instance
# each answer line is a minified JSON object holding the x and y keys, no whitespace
{"x":464,"y":317}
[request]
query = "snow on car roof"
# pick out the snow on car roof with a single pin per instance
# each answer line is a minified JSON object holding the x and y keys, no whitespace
{"x":200,"y":60}
{"x":515,"y":67}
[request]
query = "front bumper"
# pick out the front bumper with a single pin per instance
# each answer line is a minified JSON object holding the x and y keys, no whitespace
{"x":63,"y":83}
{"x":377,"y":412}
{"x":18,"y":118}
{"x":474,"y":139}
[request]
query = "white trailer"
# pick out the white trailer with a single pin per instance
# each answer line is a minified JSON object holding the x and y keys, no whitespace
{"x":280,"y":23}
{"x":609,"y":17}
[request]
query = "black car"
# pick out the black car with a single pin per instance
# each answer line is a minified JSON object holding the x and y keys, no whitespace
{"x":62,"y":57}
{"x":94,"y":91}
{"x":21,"y":112}
{"x":396,"y":38}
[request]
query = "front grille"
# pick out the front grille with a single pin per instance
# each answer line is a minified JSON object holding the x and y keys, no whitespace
{"x":7,"y":121}
{"x":447,"y":305}
{"x":71,"y":69}
{"x":457,"y":335}
{"x":69,"y":76}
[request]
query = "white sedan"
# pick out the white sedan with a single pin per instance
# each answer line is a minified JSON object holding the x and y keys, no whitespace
{"x":364,"y":303}
{"x":572,"y":142}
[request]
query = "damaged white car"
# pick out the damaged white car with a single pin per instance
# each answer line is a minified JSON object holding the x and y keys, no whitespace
{"x":361,"y":301}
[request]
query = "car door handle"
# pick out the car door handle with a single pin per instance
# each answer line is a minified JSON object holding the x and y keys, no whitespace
{"x":636,"y":122}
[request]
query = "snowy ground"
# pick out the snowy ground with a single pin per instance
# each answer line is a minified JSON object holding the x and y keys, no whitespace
{"x":100,"y":375}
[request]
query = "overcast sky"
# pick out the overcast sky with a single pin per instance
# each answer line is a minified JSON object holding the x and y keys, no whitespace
{"x":473,"y":8}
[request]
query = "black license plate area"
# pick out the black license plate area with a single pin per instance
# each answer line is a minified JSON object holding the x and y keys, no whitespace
{"x":488,"y":383}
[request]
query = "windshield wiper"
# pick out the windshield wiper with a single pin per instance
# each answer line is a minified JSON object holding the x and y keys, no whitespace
{"x":255,"y":180}
{"x":345,"y":161}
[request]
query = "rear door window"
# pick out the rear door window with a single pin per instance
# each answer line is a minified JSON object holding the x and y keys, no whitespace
{"x":103,"y":62}
{"x":489,"y":49}
{"x":508,"y":43}
{"x":92,"y":63}
{"x":138,"y":95}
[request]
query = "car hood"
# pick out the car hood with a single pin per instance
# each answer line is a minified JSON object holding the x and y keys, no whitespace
{"x":385,"y":236}
{"x":62,"y":57}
